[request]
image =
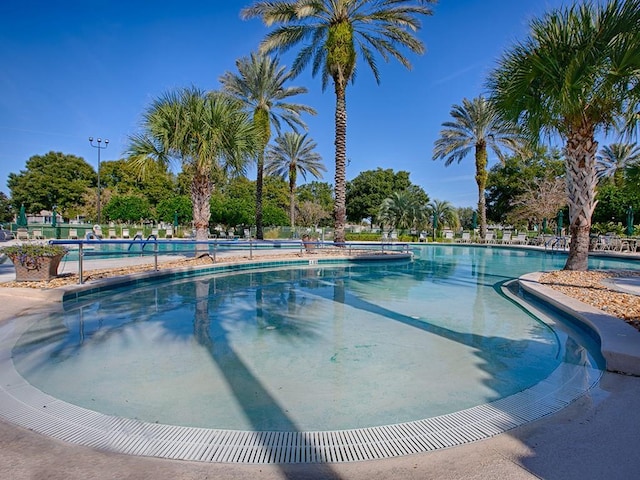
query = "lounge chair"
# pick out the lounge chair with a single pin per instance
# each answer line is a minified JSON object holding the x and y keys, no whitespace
{"x":448,"y":236}
{"x":488,"y":238}
{"x":37,"y":235}
{"x":112,"y":233}
{"x":23,"y":234}
{"x":466,"y":237}
{"x":521,"y":239}
{"x":125,"y":233}
{"x":97,"y":231}
{"x":506,"y":238}
{"x":168,"y":233}
{"x":73,"y":234}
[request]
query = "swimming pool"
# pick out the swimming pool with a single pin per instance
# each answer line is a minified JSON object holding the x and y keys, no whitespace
{"x":314,"y":348}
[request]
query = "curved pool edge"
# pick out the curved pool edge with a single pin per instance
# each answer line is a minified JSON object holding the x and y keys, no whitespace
{"x":620,"y":342}
{"x":28,"y":407}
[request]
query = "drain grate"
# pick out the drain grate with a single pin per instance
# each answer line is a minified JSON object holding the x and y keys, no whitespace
{"x":24,"y":405}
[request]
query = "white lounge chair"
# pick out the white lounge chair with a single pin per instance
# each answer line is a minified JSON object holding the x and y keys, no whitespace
{"x":168,"y":233}
{"x":521,"y":239}
{"x":506,"y":238}
{"x":73,"y":234}
{"x":37,"y":235}
{"x":23,"y":234}
{"x":112,"y":233}
{"x":125,"y":233}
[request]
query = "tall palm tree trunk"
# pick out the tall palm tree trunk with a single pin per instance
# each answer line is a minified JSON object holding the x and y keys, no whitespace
{"x":340,"y":206}
{"x":201,"y":196}
{"x":481,"y":181}
{"x":259,"y":184}
{"x":580,"y":150}
{"x":292,"y":196}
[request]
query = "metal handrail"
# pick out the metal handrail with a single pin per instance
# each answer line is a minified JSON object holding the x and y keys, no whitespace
{"x":214,"y":245}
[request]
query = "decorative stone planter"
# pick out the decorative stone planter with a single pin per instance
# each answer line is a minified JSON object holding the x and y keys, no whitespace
{"x":36,"y":269}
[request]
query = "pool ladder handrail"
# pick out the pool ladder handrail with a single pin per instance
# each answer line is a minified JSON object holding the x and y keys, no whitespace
{"x":139,"y":237}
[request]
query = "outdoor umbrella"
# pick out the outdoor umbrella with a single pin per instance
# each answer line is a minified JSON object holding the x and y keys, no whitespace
{"x":175,"y":220}
{"x":54,"y":220}
{"x":22,"y":217}
{"x":560,"y":219}
{"x":629,"y":221}
{"x":474,"y":220}
{"x":544,"y":225}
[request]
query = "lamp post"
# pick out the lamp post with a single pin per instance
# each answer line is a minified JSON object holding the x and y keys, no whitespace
{"x":99,"y":146}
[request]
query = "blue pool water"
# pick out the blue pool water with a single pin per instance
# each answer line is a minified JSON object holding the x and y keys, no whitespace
{"x":313,"y":348}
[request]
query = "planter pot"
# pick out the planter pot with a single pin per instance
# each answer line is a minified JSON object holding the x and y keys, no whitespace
{"x":36,"y":269}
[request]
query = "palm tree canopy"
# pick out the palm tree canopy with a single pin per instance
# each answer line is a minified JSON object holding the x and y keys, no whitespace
{"x":334,"y":30}
{"x":202,"y":131}
{"x":402,"y":210}
{"x":578,"y":67}
{"x":476,"y":125}
{"x":259,"y":84}
{"x":294,"y":153}
{"x":616,"y":158}
{"x":444,"y":213}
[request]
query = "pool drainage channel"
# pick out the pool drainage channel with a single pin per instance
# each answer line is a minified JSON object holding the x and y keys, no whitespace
{"x":28,"y":407}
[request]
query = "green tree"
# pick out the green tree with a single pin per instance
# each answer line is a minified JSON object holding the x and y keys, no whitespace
{"x":6,"y":212}
{"x":52,"y":179}
{"x":208,"y":133}
{"x":402,"y":210}
{"x":367,"y":191}
{"x":444,"y":213}
{"x":614,"y":159}
{"x":476,"y":127}
{"x":155,"y":183}
{"x":509,"y":179}
{"x":574,"y":76}
{"x":259,"y":84}
{"x":293,"y":154}
{"x":333,"y":29}
{"x":465,"y":216}
{"x":180,"y":204}
{"x":320,"y":193}
{"x":127,"y":208}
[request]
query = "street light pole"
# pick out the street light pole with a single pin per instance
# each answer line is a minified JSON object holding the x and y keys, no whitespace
{"x":99,"y":147}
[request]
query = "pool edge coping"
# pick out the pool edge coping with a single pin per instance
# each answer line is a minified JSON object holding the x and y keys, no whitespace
{"x":620,"y":342}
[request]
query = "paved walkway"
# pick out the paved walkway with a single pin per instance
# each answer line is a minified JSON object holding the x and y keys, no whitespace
{"x":595,"y":437}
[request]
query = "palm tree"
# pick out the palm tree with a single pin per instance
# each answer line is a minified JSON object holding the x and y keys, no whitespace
{"x":208,"y":133}
{"x":444,"y":214}
{"x":614,"y":159}
{"x":259,"y":84}
{"x":402,"y":210}
{"x":334,"y":28}
{"x":476,"y":126}
{"x":575,"y":75}
{"x":292,"y":154}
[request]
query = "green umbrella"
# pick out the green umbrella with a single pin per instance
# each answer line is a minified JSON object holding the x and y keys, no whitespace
{"x":22,"y":217}
{"x":175,"y":220}
{"x":54,"y":214}
{"x":629,"y":221}
{"x":544,"y":225}
{"x":474,"y":220}
{"x":560,"y":219}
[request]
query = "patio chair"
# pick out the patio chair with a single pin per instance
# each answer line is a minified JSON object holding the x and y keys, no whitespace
{"x":168,"y":233}
{"x":125,"y":233}
{"x":23,"y":234}
{"x":73,"y":234}
{"x":521,"y":239}
{"x":506,"y":238}
{"x":97,"y":231}
{"x":112,"y":233}
{"x":37,"y":235}
{"x":448,"y":236}
{"x":466,"y":237}
{"x":488,"y":238}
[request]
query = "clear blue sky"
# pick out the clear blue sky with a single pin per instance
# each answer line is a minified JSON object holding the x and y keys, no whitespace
{"x":78,"y":68}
